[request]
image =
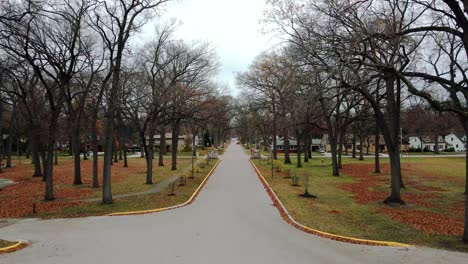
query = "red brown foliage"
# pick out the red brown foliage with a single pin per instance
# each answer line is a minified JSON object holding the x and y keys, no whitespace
{"x":17,"y":200}
{"x":364,"y":191}
{"x":429,"y":222}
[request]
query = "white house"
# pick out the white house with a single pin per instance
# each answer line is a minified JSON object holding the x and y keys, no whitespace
{"x":427,"y":143}
{"x":456,"y":141}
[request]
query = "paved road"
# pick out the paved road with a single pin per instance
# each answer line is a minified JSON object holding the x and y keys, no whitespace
{"x":232,"y":221}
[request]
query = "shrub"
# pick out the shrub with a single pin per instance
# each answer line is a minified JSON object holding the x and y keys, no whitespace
{"x":414,"y":149}
{"x":449,"y":150}
{"x":295,"y":180}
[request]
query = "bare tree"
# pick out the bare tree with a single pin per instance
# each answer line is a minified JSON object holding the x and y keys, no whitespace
{"x":116,"y":21}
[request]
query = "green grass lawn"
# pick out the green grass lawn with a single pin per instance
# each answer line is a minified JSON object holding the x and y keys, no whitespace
{"x":137,"y":203}
{"x":338,"y":211}
{"x":136,"y":182}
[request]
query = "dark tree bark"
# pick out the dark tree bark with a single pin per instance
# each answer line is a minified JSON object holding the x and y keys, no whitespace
{"x":125,"y":157}
{"x":94,"y":146}
{"x":43,"y":158}
{"x":391,"y":135}
{"x":175,"y":143}
{"x":116,"y":153}
{"x":307,"y":148}
{"x":275,"y":155}
{"x":436,"y":146}
{"x":361,"y":147}
{"x":149,"y":155}
{"x":299,"y":149}
{"x":287,"y":158}
{"x":377,"y":150}
{"x":49,"y":164}
{"x":162,"y":147}
{"x":9,"y":146}
{"x":354,"y":145}
{"x":341,"y":137}
{"x":76,"y":144}
{"x":35,"y":141}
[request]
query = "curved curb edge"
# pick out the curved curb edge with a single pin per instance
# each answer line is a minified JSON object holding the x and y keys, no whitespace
{"x":19,"y":245}
{"x":290,"y":220}
{"x":189,"y":201}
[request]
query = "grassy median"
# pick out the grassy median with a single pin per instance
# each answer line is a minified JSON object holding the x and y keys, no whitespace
{"x":167,"y":197}
{"x":351,"y":204}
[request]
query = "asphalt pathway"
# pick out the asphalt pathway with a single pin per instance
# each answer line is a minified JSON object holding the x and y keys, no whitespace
{"x":232,"y":221}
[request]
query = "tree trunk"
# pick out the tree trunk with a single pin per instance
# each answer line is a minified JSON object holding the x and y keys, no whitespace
{"x":367,"y":145}
{"x":275,"y":155}
{"x":395,"y":196}
{"x":333,"y":150}
{"x":340,"y":146}
{"x":436,"y":146}
{"x":35,"y":149}
{"x":56,"y":156}
{"x":287,"y":158}
{"x":28,"y":149}
{"x":113,"y":102}
{"x":307,"y":149}
{"x":465,"y":232}
{"x":142,"y":152}
{"x":125,"y":157}
{"x":43,"y":157}
{"x":116,"y":153}
{"x":149,"y":155}
{"x":361,"y":147}
{"x":465,"y":126}
{"x":392,"y":138}
{"x":354,"y":145}
{"x":9,"y":147}
{"x":94,"y":145}
{"x":85,"y":151}
{"x":76,"y":152}
{"x":175,"y":142}
{"x":49,"y":164}
{"x":377,"y":150}
{"x":299,"y":162}
{"x":162,"y":147}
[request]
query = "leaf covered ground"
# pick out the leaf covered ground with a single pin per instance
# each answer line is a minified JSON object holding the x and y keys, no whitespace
{"x":18,"y":200}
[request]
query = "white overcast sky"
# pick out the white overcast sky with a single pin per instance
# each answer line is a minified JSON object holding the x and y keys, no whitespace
{"x":232,"y":26}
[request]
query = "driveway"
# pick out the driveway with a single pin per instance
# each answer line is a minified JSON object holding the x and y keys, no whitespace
{"x":232,"y":221}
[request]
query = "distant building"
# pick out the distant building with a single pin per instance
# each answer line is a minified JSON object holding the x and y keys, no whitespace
{"x":427,"y":142}
{"x":369,"y":144}
{"x":182,"y":141}
{"x":456,"y":141}
{"x":293,"y":146}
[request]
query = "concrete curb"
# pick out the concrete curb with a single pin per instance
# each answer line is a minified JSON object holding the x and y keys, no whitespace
{"x":289,"y":219}
{"x":189,"y":201}
{"x":19,"y":245}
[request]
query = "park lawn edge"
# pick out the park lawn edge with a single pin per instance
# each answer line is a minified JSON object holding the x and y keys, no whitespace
{"x":189,"y":201}
{"x":290,"y":220}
